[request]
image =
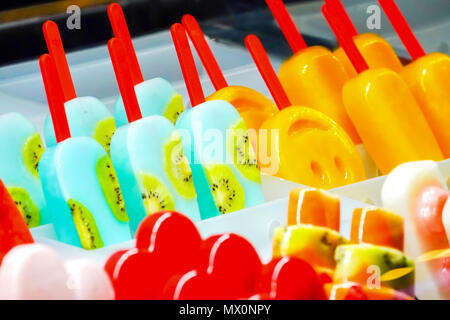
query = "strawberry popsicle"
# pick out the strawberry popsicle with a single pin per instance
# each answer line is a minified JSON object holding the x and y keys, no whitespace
{"x":21,"y":153}
{"x":155,"y":96}
{"x":384,"y":111}
{"x":308,"y":146}
{"x":252,"y":106}
{"x":79,"y":180}
{"x":87,"y":116}
{"x":427,"y":77}
{"x":216,"y":143}
{"x":312,"y":77}
{"x":154,"y":173}
{"x":377,"y":52}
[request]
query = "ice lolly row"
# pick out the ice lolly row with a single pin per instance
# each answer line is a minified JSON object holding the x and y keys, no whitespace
{"x":13,"y":228}
{"x":22,"y":149}
{"x":155,"y":96}
{"x":312,"y":77}
{"x":427,"y":77}
{"x":148,"y":156}
{"x":306,"y":145}
{"x":417,"y":191}
{"x":384,"y":111}
{"x":377,"y":52}
{"x":252,"y":106}
{"x":216,"y":144}
{"x":87,"y":116}
{"x":79,"y":181}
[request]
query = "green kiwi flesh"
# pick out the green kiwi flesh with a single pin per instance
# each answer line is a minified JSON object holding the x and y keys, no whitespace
{"x":86,"y":226}
{"x":32,"y":153}
{"x":104,"y":132}
{"x":155,"y":195}
{"x":27,"y":208}
{"x":174,"y":108}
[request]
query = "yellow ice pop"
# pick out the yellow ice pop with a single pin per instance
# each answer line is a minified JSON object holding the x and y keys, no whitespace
{"x":377,"y":52}
{"x":384,"y":111}
{"x":427,"y":77}
{"x":312,"y":77}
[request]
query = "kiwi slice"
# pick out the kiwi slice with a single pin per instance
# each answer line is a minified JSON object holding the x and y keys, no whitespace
{"x":86,"y":227}
{"x":104,"y":132}
{"x":174,"y":108}
{"x":226,"y":190}
{"x":111,"y":189}
{"x":156,"y":197}
{"x":178,"y":168}
{"x":32,"y":153}
{"x":240,"y":149}
{"x":26,"y":206}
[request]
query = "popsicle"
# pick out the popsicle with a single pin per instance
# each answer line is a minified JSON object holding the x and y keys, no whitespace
{"x":377,"y":52}
{"x":307,"y":146}
{"x":216,"y":144}
{"x":79,"y":180}
{"x":13,"y":228}
{"x":21,"y":152}
{"x":252,"y":106}
{"x":87,"y":116}
{"x":312,"y":77}
{"x":384,"y":111}
{"x":154,"y":173}
{"x":427,"y":77}
{"x":418,"y":192}
{"x":155,"y":96}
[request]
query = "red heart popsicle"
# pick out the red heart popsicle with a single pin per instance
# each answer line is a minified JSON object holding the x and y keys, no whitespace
{"x":290,"y":278}
{"x":231,"y":272}
{"x":167,"y":243}
{"x":13,"y":228}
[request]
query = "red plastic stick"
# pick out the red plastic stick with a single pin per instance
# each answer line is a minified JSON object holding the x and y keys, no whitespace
{"x":402,"y":28}
{"x":262,"y":61}
{"x":287,"y":25}
{"x":118,"y":55}
{"x":204,"y":51}
{"x":346,"y":41}
{"x":55,"y":97}
{"x":339,"y":10}
{"x":56,"y":50}
{"x":120,"y":29}
{"x":187,"y":64}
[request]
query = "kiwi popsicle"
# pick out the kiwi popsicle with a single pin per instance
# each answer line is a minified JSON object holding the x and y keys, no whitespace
{"x":418,"y":192}
{"x":215,"y":141}
{"x":87,"y":116}
{"x":155,"y":96}
{"x":13,"y":228}
{"x":427,"y":77}
{"x":78,"y":179}
{"x":252,"y":106}
{"x":154,"y":173}
{"x":310,"y":148}
{"x":384,"y":111}
{"x":22,"y":151}
{"x":377,"y":52}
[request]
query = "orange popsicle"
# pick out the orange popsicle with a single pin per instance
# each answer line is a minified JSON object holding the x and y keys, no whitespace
{"x":252,"y":106}
{"x":313,"y":77}
{"x":310,"y":147}
{"x":427,"y":77}
{"x":384,"y":111}
{"x":377,"y":52}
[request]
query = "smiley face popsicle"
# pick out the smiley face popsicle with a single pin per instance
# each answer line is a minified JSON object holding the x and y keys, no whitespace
{"x":310,"y":147}
{"x":384,"y":111}
{"x":216,"y":143}
{"x":427,"y":77}
{"x":155,"y":96}
{"x":377,"y":52}
{"x":87,"y":116}
{"x":252,"y":106}
{"x":79,"y":181}
{"x":154,"y":173}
